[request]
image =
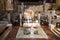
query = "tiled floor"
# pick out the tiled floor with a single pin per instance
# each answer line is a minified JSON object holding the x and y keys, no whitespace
{"x":12,"y":34}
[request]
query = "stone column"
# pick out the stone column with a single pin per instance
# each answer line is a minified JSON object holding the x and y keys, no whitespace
{"x":22,"y":10}
{"x":8,"y":17}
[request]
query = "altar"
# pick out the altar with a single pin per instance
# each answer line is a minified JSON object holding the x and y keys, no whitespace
{"x":31,"y":25}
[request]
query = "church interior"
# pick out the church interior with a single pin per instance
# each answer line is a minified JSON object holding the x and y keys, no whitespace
{"x":29,"y":19}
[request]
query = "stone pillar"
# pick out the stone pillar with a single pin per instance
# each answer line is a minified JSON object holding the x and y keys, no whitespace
{"x":21,"y":15}
{"x":22,"y":8}
{"x":8,"y":17}
{"x":20,"y":19}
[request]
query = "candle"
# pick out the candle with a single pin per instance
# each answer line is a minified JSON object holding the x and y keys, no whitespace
{"x":31,"y":27}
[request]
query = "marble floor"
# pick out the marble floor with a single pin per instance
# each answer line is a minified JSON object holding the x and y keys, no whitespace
{"x":13,"y":33}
